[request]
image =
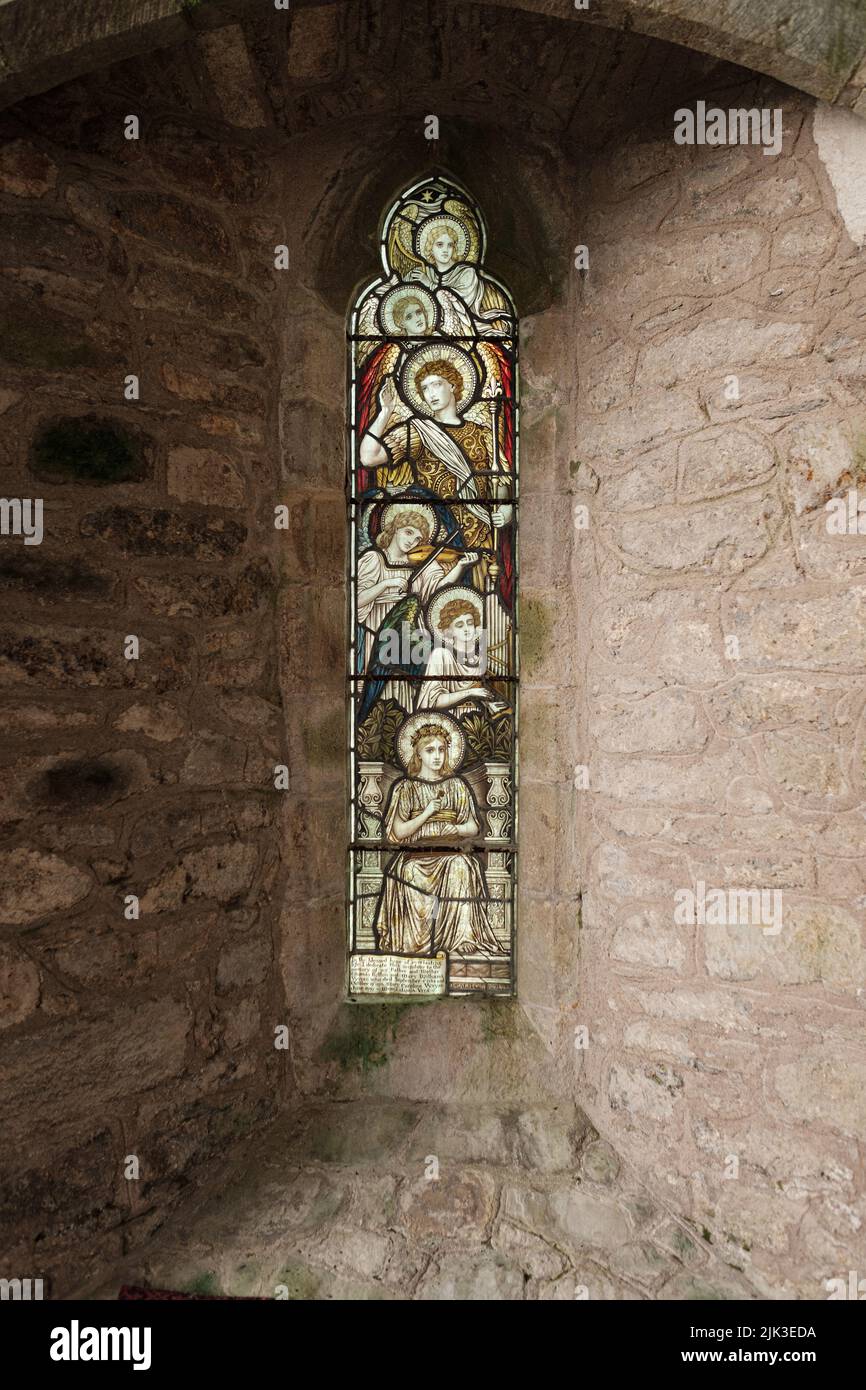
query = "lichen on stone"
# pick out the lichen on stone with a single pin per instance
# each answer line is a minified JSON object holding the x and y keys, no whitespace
{"x":362,"y":1036}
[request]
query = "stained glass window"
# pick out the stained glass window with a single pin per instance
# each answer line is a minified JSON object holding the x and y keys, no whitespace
{"x":432,"y":496}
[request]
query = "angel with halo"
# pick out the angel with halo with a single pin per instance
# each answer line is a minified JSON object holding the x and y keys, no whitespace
{"x":434,"y":901}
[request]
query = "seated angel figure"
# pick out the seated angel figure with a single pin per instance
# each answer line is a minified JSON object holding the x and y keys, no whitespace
{"x":436,"y":901}
{"x":457,"y":664}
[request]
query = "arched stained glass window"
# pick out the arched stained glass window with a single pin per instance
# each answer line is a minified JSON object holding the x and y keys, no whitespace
{"x":433,"y":590}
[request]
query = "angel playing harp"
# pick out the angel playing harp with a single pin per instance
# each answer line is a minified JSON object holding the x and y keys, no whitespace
{"x":456,"y":673}
{"x":432,"y":249}
{"x":475,"y":302}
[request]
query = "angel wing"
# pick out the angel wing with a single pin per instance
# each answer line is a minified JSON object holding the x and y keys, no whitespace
{"x":458,"y":208}
{"x":365,"y":323}
{"x":381,"y":362}
{"x":479,"y":414}
{"x":401,"y":254}
{"x":390,"y":639}
{"x":456,"y":318}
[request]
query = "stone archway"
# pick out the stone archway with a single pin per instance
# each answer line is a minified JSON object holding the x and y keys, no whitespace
{"x":819,"y":48}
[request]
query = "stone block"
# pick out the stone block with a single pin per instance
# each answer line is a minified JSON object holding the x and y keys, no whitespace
{"x":748,"y":705}
{"x":188,"y":231}
{"x":718,"y":539}
{"x":185,"y":292}
{"x":652,"y":1092}
{"x":813,"y":631}
{"x":722,"y":460}
{"x":650,"y":481}
{"x":228,"y":63}
{"x":19,"y":986}
{"x":314,"y":43}
{"x":806,"y":239}
{"x":665,"y":721}
{"x":676,"y":636}
{"x":640,"y":425}
{"x":820,"y":463}
{"x":817,"y":944}
{"x":44,"y":578}
{"x":806,"y":765}
{"x":107,"y":1060}
{"x":138,"y":531}
{"x":313,"y":444}
{"x":33,"y":884}
{"x":471,"y":1277}
{"x":204,"y":478}
{"x":244,"y":964}
{"x":721,"y":346}
{"x":25,"y":171}
{"x":648,"y":939}
{"x":160,"y":722}
{"x":225,"y":594}
{"x":536,"y":1257}
{"x":361,"y":1133}
{"x":702,"y":783}
{"x":457,"y":1207}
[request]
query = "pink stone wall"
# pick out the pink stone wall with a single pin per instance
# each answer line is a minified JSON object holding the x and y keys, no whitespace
{"x":723,"y":645}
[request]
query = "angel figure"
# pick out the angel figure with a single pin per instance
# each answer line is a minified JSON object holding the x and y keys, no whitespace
{"x":436,"y":901}
{"x":457,"y":665}
{"x":410,"y":315}
{"x":439,"y":447}
{"x":475,"y":302}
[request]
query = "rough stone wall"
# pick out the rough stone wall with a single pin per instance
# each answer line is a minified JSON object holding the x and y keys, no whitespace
{"x":339,"y":1202}
{"x":723,"y":641}
{"x":153,"y":776}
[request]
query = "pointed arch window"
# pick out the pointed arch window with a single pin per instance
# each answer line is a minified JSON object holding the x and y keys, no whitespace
{"x":433,"y":662}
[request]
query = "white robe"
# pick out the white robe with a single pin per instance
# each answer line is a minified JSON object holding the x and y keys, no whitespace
{"x":451,"y":676}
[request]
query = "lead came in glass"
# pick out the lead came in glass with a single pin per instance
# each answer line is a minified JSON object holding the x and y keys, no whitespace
{"x":433,"y":671}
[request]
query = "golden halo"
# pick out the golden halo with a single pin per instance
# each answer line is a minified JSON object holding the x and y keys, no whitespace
{"x":443,"y":596}
{"x":462,"y":241}
{"x":456,"y":744}
{"x":436,"y":352}
{"x":395,"y":508}
{"x":390,"y":301}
